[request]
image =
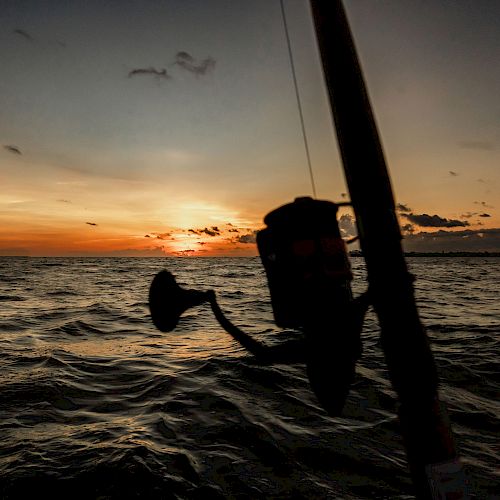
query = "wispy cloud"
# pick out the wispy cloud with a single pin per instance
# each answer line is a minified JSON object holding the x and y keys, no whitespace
{"x":23,"y":34}
{"x":186,"y":61}
{"x":426,"y":220}
{"x":483,"y":204}
{"x":160,"y":236}
{"x":12,"y":149}
{"x":468,"y":215}
{"x":64,"y":201}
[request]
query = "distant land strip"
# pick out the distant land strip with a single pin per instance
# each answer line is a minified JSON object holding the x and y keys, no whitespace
{"x":358,"y":253}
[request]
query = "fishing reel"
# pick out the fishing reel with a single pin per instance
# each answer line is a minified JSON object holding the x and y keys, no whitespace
{"x":309,"y":275}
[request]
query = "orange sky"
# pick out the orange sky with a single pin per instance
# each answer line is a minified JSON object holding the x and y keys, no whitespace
{"x":102,"y":123}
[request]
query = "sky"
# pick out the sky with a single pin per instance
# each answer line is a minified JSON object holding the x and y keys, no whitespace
{"x":170,"y":127}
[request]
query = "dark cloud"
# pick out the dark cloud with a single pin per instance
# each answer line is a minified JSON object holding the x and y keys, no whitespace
{"x":188,"y":62}
{"x":247,"y":238}
{"x":161,"y":236}
{"x":400,"y":207}
{"x":453,"y":174}
{"x":64,"y":201}
{"x":233,"y":230}
{"x":147,"y":236}
{"x":210,"y":232}
{"x":484,"y":215}
{"x":480,"y":145}
{"x":12,"y":149}
{"x":187,"y":252}
{"x":213,"y":231}
{"x":343,"y":195}
{"x":347,"y":225}
{"x":157,"y":73}
{"x":479,"y":240}
{"x":91,"y":223}
{"x":426,"y":220}
{"x":24,"y":34}
{"x":408,"y":229}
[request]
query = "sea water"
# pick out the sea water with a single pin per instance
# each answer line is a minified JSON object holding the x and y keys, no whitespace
{"x":97,"y":403}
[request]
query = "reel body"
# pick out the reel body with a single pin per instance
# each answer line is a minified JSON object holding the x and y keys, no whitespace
{"x":309,"y":278}
{"x":305,"y":260}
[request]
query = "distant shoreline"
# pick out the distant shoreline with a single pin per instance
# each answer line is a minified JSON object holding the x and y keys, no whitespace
{"x":357,"y":253}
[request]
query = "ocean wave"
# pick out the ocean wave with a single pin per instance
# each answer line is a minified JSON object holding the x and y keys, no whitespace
{"x":12,"y":298}
{"x":96,"y":403}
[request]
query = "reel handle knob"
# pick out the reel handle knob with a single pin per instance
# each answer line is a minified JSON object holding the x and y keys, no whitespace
{"x":167,"y":301}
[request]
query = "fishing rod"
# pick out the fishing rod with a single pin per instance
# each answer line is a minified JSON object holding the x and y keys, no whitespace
{"x":309,"y":277}
{"x":433,"y":460}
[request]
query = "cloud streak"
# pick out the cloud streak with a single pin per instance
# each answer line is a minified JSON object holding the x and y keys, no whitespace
{"x":23,"y":34}
{"x":483,"y":204}
{"x":160,"y":236}
{"x":213,"y":231}
{"x":12,"y":149}
{"x":157,"y":73}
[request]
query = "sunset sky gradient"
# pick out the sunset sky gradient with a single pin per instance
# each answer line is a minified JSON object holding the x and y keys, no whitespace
{"x":170,"y":127}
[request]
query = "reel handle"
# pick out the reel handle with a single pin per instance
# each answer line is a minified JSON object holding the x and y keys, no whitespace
{"x":168,"y":301}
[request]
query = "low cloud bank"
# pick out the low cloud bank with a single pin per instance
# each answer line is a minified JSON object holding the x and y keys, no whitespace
{"x":481,"y":240}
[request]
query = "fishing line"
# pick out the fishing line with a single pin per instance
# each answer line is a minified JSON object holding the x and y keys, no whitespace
{"x":297,"y":95}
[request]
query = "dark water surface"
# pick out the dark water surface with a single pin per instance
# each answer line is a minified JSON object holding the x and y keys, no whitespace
{"x":96,"y":403}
